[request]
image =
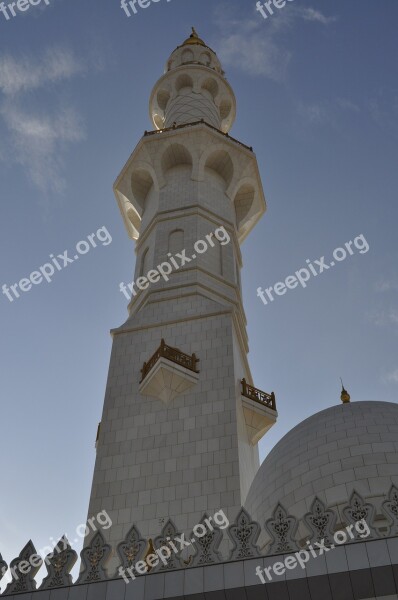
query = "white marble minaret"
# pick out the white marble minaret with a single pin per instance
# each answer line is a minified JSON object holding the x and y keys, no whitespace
{"x":180,"y":438}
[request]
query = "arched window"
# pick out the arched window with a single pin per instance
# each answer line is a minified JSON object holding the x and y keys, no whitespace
{"x":214,"y":257}
{"x":144,"y":268}
{"x":220,"y":259}
{"x":176,"y":241}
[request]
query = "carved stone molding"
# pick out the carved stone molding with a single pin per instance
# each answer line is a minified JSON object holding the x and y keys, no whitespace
{"x":244,"y":533}
{"x":23,"y":570}
{"x":321,"y":522}
{"x":59,"y":565}
{"x":94,"y":560}
{"x":282,"y":529}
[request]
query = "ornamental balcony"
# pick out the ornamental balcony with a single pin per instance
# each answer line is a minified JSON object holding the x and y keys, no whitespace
{"x":259,"y":409}
{"x":168,"y":373}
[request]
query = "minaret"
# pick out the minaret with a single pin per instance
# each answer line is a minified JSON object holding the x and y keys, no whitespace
{"x":181,"y":418}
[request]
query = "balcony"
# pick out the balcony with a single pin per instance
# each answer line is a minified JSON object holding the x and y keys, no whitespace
{"x":168,"y":373}
{"x":259,"y":409}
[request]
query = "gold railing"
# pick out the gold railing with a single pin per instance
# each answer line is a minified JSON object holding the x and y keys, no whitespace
{"x":257,"y":395}
{"x":173,"y":354}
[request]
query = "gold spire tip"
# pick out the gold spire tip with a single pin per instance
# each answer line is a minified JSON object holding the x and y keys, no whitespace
{"x":194,"y":39}
{"x":345,"y":396}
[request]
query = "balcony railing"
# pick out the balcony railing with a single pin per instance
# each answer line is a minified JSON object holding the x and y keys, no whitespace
{"x":257,"y":395}
{"x":173,"y":354}
{"x":193,"y":124}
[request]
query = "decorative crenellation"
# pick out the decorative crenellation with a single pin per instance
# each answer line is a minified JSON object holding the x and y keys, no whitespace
{"x":359,"y":510}
{"x":23,"y":570}
{"x":132,"y":549}
{"x":3,"y":567}
{"x":168,"y":533}
{"x":390,"y":509}
{"x":244,"y":533}
{"x":59,"y":565}
{"x":94,"y":559}
{"x":321,"y":522}
{"x":282,"y":528}
{"x":204,"y":545}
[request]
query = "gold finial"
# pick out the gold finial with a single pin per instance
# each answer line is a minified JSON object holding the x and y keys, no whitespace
{"x":345,"y":396}
{"x":194,"y":39}
{"x":150,"y":550}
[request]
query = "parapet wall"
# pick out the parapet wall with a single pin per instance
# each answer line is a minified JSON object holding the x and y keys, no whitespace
{"x":174,"y":565}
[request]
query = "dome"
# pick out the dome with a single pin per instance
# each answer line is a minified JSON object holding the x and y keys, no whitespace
{"x":329,"y":455}
{"x":194,"y":51}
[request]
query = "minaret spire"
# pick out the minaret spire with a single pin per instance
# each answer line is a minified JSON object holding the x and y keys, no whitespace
{"x":174,"y":410}
{"x":193,"y":88}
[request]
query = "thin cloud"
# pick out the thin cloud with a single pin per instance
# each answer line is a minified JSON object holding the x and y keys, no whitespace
{"x":256,"y":55}
{"x":391,"y":377}
{"x":39,"y":141}
{"x":384,"y":317}
{"x":314,"y":113}
{"x":383,"y":112}
{"x":326,"y":111}
{"x":346,"y":104}
{"x":254,"y":46}
{"x":310,"y":14}
{"x":387,"y":286}
{"x":24,"y":74}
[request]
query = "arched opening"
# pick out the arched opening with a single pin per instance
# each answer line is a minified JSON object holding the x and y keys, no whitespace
{"x":205,"y":59}
{"x":187,"y":56}
{"x":225,"y":108}
{"x":158,"y":120}
{"x":141,"y":183}
{"x":134,"y":219}
{"x":222,"y":164}
{"x":211,"y":86}
{"x":175,"y":155}
{"x":243,"y":203}
{"x":183,"y":82}
{"x":163,"y":97}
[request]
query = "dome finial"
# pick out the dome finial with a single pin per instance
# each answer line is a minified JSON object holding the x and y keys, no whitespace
{"x":345,"y":396}
{"x":194,"y":39}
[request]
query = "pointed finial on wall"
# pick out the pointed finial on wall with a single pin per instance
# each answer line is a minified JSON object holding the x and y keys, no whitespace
{"x":345,"y":396}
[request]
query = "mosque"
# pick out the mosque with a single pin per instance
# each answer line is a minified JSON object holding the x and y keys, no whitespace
{"x":177,"y":448}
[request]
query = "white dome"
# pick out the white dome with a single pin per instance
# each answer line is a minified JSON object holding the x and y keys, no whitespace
{"x":346,"y":447}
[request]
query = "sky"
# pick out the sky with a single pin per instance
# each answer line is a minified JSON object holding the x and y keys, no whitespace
{"x":317,"y":98}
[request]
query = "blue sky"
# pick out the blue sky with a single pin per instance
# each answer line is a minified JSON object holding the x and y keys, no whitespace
{"x":317,"y":97}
